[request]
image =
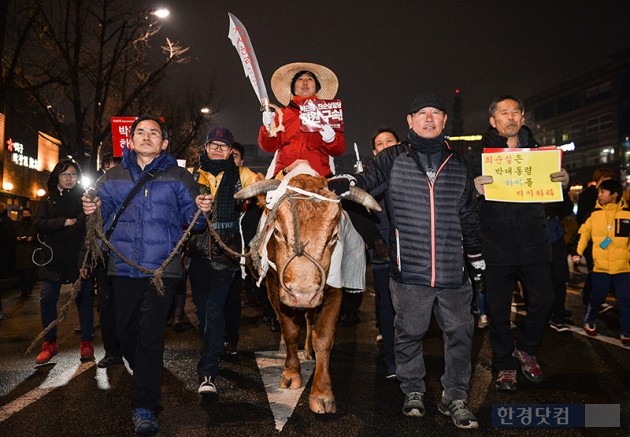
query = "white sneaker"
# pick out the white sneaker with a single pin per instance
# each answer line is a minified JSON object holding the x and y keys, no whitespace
{"x":207,"y":386}
{"x":483,"y":321}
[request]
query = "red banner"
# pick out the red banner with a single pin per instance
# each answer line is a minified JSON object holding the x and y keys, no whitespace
{"x":121,"y":133}
{"x":316,"y":113}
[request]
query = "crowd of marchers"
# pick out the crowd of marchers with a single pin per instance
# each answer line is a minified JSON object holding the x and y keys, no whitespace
{"x":437,"y":246}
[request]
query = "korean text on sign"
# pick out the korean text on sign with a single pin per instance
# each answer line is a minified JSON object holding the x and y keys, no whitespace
{"x":522,"y":175}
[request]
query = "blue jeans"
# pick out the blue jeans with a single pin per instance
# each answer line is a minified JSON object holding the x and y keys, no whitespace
{"x":414,"y":305}
{"x":481,"y":302}
{"x":209,"y":289}
{"x":601,"y":285}
{"x":48,"y":306}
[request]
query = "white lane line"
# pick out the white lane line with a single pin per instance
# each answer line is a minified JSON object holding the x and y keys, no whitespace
{"x":58,"y":377}
{"x":578,"y":330}
{"x":281,"y":401}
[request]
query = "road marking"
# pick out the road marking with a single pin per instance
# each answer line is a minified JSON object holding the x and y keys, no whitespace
{"x":59,"y":376}
{"x":578,"y":330}
{"x":281,"y":401}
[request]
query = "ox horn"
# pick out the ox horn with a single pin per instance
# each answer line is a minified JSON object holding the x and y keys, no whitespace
{"x":257,"y":188}
{"x":362,"y":197}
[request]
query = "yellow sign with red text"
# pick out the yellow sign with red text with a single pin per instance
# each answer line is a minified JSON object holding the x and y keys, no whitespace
{"x":522,"y":175}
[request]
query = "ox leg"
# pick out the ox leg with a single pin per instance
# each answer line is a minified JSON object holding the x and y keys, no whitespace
{"x":291,"y":376}
{"x":321,"y":399}
{"x":309,"y":354}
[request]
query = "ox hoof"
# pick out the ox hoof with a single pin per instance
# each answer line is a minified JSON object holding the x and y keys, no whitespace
{"x":321,"y":405}
{"x":291,"y":379}
{"x":309,"y":354}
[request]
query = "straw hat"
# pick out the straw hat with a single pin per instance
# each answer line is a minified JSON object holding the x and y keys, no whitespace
{"x":281,"y":81}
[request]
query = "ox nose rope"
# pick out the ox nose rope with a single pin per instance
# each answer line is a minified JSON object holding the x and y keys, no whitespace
{"x":298,"y":249}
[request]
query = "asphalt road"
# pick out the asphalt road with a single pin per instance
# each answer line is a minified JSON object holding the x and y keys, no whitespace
{"x":68,"y":398}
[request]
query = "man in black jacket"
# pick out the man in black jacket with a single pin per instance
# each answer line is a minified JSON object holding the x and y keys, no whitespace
{"x":515,"y":246}
{"x":433,"y":221}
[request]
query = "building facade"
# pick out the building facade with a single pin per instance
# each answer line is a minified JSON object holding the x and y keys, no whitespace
{"x":589,"y":117}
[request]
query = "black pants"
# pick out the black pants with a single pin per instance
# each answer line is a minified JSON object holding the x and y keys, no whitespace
{"x":536,"y":280}
{"x":233,"y":310}
{"x":141,"y":314}
{"x":107,"y":311}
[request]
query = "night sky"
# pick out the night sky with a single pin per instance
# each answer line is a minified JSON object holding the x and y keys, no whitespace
{"x":385,"y":53}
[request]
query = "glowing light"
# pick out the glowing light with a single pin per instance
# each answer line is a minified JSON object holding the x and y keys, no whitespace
{"x":205,"y":110}
{"x":7,"y":186}
{"x":467,"y":138}
{"x":569,"y":147}
{"x":161,"y":13}
{"x":86,"y":181}
{"x":41,"y":192}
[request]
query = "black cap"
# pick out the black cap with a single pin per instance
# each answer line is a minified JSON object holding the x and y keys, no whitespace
{"x":425,"y":100}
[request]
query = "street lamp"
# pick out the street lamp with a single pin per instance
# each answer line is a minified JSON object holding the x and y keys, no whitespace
{"x":161,"y":12}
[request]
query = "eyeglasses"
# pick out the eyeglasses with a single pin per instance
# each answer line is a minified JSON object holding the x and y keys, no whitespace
{"x":153,"y":133}
{"x":214,"y":146}
{"x":68,"y":175}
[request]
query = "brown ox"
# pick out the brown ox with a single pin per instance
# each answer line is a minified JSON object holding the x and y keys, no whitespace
{"x":304,"y":236}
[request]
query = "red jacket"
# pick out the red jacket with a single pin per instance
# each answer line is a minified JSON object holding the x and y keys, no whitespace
{"x":294,"y":144}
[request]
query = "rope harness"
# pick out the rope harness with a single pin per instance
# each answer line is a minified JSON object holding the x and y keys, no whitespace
{"x":94,"y":255}
{"x":298,"y":248}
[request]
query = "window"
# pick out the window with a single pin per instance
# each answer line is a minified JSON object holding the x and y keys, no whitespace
{"x":600,"y":155}
{"x":599,"y":92}
{"x":548,"y":137}
{"x":569,"y":103}
{"x":572,"y":160}
{"x":571,"y":133}
{"x":599,"y":124}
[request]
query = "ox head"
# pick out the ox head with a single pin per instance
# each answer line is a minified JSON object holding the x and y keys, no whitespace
{"x":305,"y":229}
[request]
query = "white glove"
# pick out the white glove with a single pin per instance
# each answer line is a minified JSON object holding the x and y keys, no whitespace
{"x":267,"y":118}
{"x":560,"y":176}
{"x":480,"y":181}
{"x":327,"y":133}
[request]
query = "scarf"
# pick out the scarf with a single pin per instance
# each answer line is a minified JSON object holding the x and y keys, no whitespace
{"x":429,"y":152}
{"x":225,"y":209}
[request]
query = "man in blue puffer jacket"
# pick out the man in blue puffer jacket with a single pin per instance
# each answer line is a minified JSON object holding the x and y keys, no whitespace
{"x":148,"y":229}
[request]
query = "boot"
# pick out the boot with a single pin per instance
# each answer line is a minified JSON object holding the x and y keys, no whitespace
{"x":49,"y":350}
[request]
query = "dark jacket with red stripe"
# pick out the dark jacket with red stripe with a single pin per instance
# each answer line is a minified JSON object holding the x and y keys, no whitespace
{"x":432,"y":225}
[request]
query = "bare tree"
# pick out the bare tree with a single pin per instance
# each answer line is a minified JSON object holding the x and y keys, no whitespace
{"x":83,"y":62}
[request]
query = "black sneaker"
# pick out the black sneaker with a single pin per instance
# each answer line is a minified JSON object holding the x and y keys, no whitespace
{"x":558,"y":326}
{"x":414,"y":404}
{"x":109,"y":360}
{"x":459,"y":412}
{"x":230,"y":349}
